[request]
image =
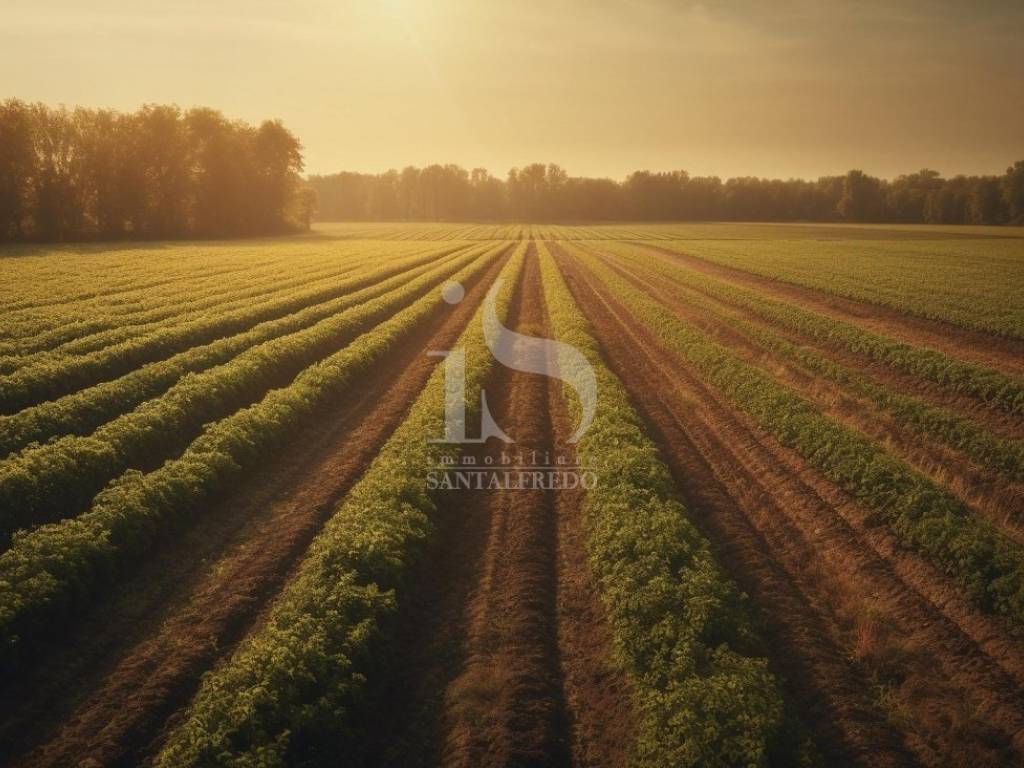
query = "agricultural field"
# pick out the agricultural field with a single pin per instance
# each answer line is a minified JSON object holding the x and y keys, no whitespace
{"x":238,"y":526}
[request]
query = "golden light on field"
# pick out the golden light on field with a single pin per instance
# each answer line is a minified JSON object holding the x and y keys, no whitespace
{"x":796,"y":88}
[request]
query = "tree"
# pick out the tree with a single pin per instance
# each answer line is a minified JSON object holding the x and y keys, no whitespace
{"x":862,"y":198}
{"x":1013,"y":192}
{"x":277,"y":157}
{"x":17,"y":167}
{"x":985,"y":205}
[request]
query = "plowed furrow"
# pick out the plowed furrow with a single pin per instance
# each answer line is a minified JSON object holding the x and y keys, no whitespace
{"x":503,"y":656}
{"x":986,"y":414}
{"x":832,"y":551}
{"x":1002,"y":353}
{"x":139,"y":657}
{"x":505,"y":707}
{"x":994,"y":497}
{"x":825,"y":684}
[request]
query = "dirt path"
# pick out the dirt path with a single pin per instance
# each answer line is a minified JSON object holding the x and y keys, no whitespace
{"x":502,"y":657}
{"x":991,"y":495}
{"x":854,"y":614}
{"x":138,"y":657}
{"x":999,"y":352}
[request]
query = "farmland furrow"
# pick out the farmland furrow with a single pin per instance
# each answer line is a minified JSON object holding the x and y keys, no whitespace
{"x":49,"y":379}
{"x":505,"y":706}
{"x":834,"y":700}
{"x":131,"y":280}
{"x":502,"y":653}
{"x":141,"y":659}
{"x":937,"y":405}
{"x":135,"y":307}
{"x":309,"y":697}
{"x":993,"y":496}
{"x":944,"y":661}
{"x":57,"y":569}
{"x":81,"y":412}
{"x":682,"y":630}
{"x":1002,"y":353}
{"x":55,"y":480}
{"x":48,"y":326}
{"x":986,"y":388}
{"x":58,"y":337}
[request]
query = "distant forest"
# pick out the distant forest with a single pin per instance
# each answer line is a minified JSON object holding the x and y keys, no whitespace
{"x":164,"y":172}
{"x":159,"y":172}
{"x":541,"y":192}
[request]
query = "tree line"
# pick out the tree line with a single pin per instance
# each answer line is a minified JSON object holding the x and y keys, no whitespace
{"x":158,"y":172}
{"x":540,"y":192}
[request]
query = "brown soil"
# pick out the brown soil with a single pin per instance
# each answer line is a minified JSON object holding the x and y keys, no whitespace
{"x":1002,"y":353}
{"x":887,"y":662}
{"x":991,"y":417}
{"x":137,"y":658}
{"x":993,"y":496}
{"x":597,"y":694}
{"x":503,"y":652}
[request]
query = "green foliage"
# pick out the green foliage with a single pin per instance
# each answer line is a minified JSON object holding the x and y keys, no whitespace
{"x":966,"y":378}
{"x":925,"y":518}
{"x":84,"y":410}
{"x":942,"y":274}
{"x":156,"y":172}
{"x":704,"y":692}
{"x":56,"y":568}
{"x":54,"y":374}
{"x":57,"y":478}
{"x":288,"y":693}
{"x":998,"y":454}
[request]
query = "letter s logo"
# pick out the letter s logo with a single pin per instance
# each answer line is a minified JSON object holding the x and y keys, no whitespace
{"x":532,"y":354}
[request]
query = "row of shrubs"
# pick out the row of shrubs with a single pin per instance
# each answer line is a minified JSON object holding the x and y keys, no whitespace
{"x":290,"y":693}
{"x":83,"y":411}
{"x":56,"y":480}
{"x":52,"y":571}
{"x":924,"y":517}
{"x":985,"y":384}
{"x":988,"y":450}
{"x":74,"y":328}
{"x":702,"y":687}
{"x":56,"y":375}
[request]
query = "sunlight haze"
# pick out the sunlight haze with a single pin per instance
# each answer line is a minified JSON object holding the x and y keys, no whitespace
{"x":789,"y":89}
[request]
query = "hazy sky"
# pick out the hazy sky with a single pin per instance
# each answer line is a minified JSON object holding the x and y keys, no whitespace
{"x":735,"y":88}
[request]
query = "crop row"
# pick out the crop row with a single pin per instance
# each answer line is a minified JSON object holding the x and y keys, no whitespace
{"x":83,"y":411}
{"x":703,"y":689}
{"x":57,"y":479}
{"x":173,"y":283}
{"x":956,"y":375}
{"x":998,"y":454}
{"x":56,"y":305}
{"x":973,"y":283}
{"x":57,"y":568}
{"x":59,"y":322}
{"x":47,"y":282}
{"x":56,"y":334}
{"x":924,"y":517}
{"x":54,"y":378}
{"x":291,"y":687}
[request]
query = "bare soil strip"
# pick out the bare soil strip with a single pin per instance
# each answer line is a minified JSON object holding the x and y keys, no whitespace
{"x":991,"y":495}
{"x":992,"y":418}
{"x":852,"y":615}
{"x":139,"y":656}
{"x":502,"y":653}
{"x":1002,"y":353}
{"x":598,"y":695}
